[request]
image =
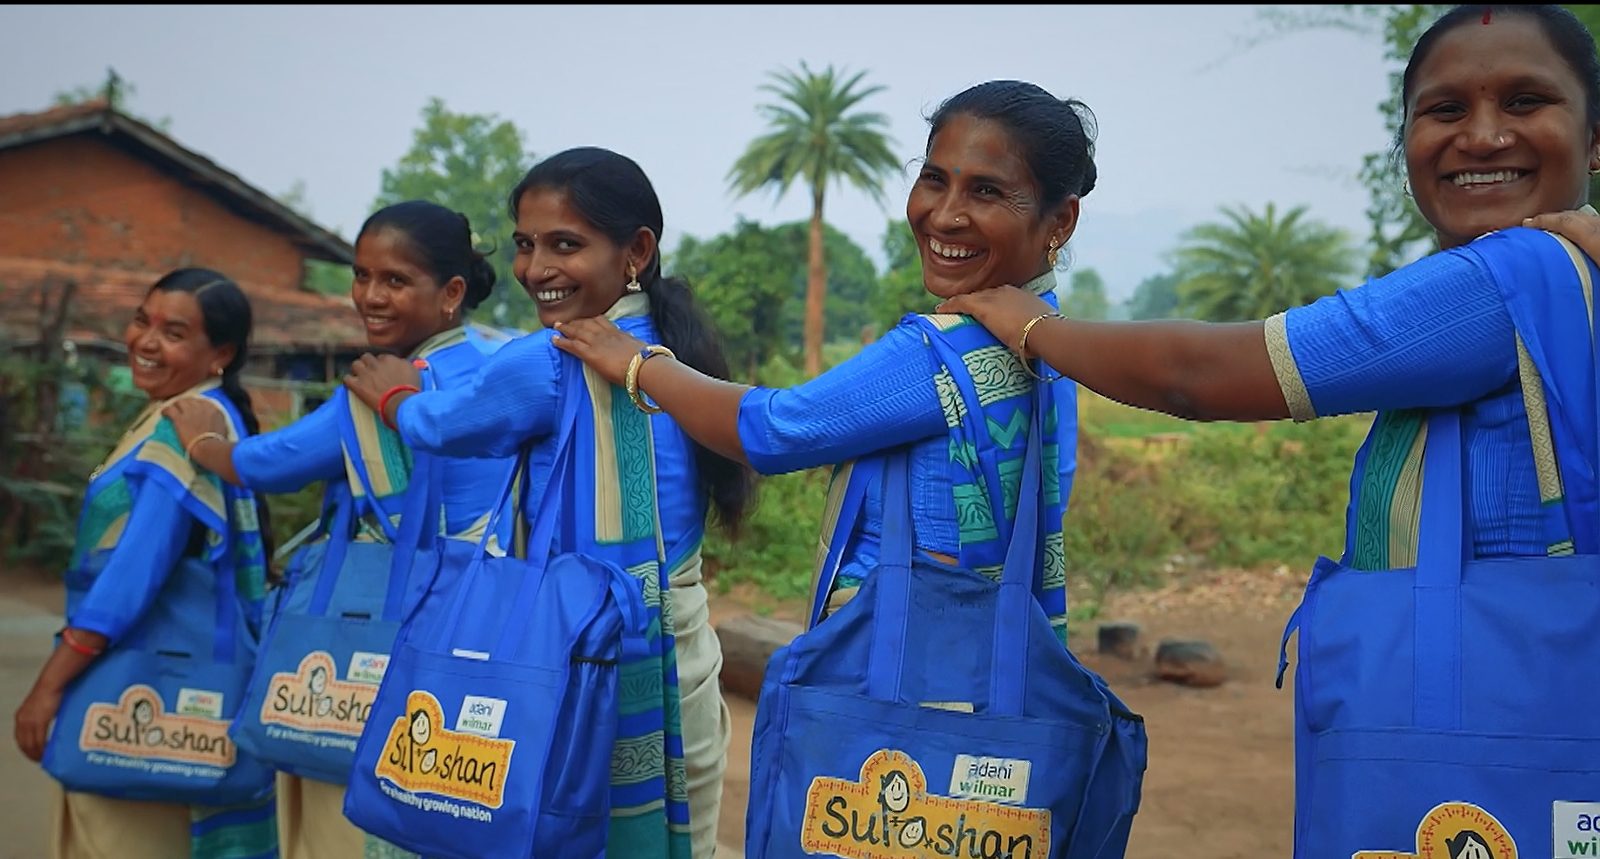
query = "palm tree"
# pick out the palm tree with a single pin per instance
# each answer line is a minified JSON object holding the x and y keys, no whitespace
{"x":1254,"y":266}
{"x":817,"y":138}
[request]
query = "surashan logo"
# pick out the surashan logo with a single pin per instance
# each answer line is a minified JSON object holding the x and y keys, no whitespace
{"x":136,"y":727}
{"x":312,"y":699}
{"x":1455,"y":830}
{"x":889,"y":814}
{"x":423,"y":756}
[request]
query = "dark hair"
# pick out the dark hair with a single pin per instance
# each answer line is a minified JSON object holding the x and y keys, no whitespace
{"x":225,"y":312}
{"x":1571,"y":39}
{"x":614,"y":195}
{"x":442,"y":239}
{"x":1056,"y":135}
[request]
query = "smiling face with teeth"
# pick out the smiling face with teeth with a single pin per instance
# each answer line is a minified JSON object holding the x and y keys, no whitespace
{"x":401,"y":303}
{"x":1497,"y":129}
{"x":168,"y":350}
{"x":976,"y":213}
{"x":569,"y":267}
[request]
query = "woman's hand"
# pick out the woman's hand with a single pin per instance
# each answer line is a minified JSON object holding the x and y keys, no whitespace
{"x":193,"y":417}
{"x":1003,"y":310}
{"x":372,"y":376}
{"x":33,"y":720}
{"x":599,"y":343}
{"x":1581,"y":228}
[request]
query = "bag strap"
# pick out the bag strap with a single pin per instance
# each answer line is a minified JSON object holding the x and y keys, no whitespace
{"x":1009,"y":667}
{"x":1441,"y":553}
{"x":853,"y":495}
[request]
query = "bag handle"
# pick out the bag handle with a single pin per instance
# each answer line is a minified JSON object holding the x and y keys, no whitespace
{"x":1008,"y":670}
{"x":547,"y":515}
{"x":1436,"y":689}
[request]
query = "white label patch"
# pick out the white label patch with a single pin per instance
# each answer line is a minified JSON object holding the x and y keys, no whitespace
{"x":481,"y":716}
{"x":990,"y":779}
{"x":1577,"y":829}
{"x":200,"y":702}
{"x":367,"y":667}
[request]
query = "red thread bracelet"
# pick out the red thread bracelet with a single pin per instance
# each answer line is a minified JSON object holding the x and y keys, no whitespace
{"x":383,"y":403}
{"x":77,"y":646}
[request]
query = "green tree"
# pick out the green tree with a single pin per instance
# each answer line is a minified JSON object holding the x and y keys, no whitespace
{"x":1252,"y":266}
{"x":851,"y":286}
{"x":818,"y":136}
{"x":900,"y":288}
{"x":744,"y":280}
{"x":468,"y":162}
{"x":1156,"y":297}
{"x":1086,"y":298}
{"x":115,"y":92}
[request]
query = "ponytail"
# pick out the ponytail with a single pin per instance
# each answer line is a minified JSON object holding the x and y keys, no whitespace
{"x":690,"y":334}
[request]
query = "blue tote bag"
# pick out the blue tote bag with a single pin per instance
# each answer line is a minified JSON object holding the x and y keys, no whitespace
{"x":936,"y":713}
{"x":492,"y":734}
{"x":334,"y":624}
{"x":149,"y":719}
{"x":1450,"y":710}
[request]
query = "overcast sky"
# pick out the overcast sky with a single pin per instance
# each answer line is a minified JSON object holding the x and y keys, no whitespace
{"x":330,"y":96}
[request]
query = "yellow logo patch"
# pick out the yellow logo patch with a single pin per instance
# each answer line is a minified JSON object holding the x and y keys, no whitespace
{"x":425,"y":757}
{"x":136,"y":727}
{"x":889,"y":814}
{"x":312,"y":698}
{"x":1455,"y":830}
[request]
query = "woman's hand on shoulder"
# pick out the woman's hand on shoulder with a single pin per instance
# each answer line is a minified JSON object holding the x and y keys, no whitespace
{"x":1003,"y":310}
{"x":371,"y":376}
{"x":600,"y":344}
{"x":1579,"y":227}
{"x":195,"y":416}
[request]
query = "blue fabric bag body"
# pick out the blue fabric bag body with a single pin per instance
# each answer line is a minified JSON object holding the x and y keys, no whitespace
{"x":492,"y":733}
{"x":330,"y":634}
{"x":937,"y":714}
{"x":1450,"y":705}
{"x":1452,"y":709}
{"x":149,"y":720}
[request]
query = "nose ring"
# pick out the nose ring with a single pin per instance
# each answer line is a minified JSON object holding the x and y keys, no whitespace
{"x":1499,"y":140}
{"x":958,"y":220}
{"x":549,"y":270}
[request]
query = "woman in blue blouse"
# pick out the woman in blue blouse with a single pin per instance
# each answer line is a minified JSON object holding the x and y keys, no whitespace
{"x":588,"y":223}
{"x":1481,"y":352}
{"x":416,"y":276}
{"x":186,"y":343}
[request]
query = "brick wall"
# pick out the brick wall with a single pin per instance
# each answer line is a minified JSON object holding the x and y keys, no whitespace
{"x":81,"y":199}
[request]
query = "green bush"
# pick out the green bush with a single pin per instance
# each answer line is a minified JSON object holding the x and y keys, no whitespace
{"x":776,"y":549}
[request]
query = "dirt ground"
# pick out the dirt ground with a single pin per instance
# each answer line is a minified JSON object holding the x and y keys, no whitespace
{"x":1219,"y":785}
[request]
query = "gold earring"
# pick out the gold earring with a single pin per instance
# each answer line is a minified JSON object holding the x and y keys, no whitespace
{"x":1052,"y":254}
{"x":633,"y":281}
{"x":216,"y":371}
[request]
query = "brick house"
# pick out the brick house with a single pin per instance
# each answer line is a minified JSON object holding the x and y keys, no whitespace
{"x":94,"y":198}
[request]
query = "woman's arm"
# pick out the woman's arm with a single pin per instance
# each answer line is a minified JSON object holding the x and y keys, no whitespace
{"x":513,"y":398}
{"x":123,"y":592}
{"x":1435,"y":333}
{"x":1195,"y":370}
{"x":284,"y":460}
{"x":882,"y":397}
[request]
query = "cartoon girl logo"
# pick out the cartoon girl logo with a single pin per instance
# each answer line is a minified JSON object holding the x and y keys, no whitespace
{"x":322,"y":705}
{"x":1469,"y":844}
{"x":144,"y":717}
{"x":421,"y":732}
{"x":894,"y":792}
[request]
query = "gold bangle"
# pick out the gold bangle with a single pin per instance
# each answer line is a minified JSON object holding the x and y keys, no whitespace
{"x":188,"y":449}
{"x":1022,"y":346}
{"x":631,"y":383}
